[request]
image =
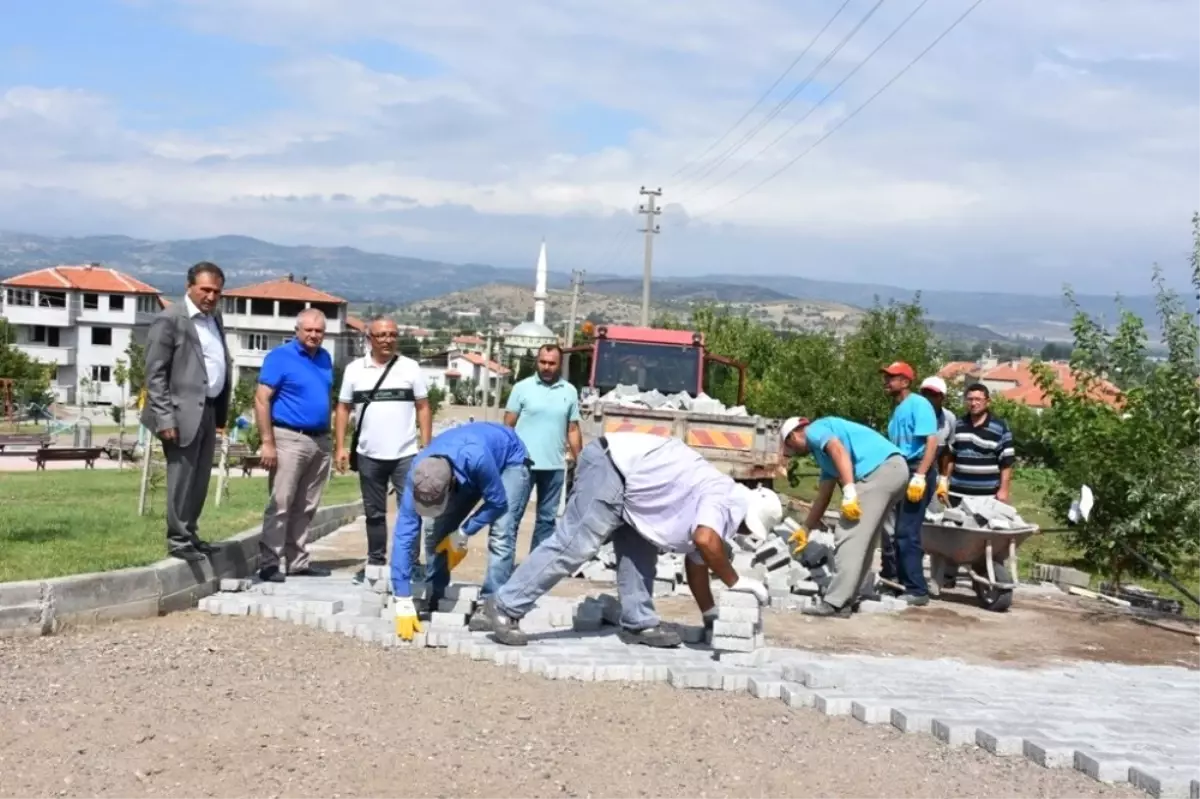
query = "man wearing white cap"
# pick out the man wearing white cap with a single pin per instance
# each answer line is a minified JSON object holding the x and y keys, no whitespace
{"x":873,"y":476}
{"x":648,"y":493}
{"x":934,"y":390}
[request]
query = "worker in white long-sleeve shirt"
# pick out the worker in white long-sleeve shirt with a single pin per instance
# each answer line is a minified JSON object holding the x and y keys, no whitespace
{"x":649,"y":493}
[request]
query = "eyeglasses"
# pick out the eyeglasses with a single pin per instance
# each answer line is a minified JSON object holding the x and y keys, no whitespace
{"x":385,"y":335}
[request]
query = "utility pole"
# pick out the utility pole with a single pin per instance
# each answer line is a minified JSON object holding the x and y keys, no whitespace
{"x":576,"y":284}
{"x":486,"y":373}
{"x":650,"y":209}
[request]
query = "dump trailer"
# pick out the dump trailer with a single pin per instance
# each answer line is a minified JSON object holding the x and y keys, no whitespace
{"x":670,"y":362}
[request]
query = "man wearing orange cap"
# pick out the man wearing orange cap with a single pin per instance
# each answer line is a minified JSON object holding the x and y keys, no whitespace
{"x":913,"y":428}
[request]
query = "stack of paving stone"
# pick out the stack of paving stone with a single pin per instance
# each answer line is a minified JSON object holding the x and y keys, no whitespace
{"x":375,"y":601}
{"x":739,"y":626}
{"x":633,"y":397}
{"x":977,"y":513}
{"x":455,"y":608}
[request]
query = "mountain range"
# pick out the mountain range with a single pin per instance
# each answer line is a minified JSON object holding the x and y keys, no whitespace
{"x":375,"y":277}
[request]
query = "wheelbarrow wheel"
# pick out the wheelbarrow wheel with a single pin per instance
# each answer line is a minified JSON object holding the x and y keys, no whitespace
{"x":992,"y":598}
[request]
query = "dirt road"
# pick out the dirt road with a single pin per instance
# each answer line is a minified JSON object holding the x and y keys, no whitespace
{"x":193,"y":705}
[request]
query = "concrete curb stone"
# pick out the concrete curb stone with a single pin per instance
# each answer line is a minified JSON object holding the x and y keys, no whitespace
{"x":43,"y":607}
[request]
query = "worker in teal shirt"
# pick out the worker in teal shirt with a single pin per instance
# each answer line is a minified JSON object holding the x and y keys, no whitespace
{"x":872,"y":476}
{"x":544,"y":410}
{"x":913,"y":428}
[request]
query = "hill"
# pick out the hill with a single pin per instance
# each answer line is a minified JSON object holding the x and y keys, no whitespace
{"x":397,"y":280}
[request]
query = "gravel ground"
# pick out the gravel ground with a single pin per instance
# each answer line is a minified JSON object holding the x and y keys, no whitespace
{"x":191,"y":705}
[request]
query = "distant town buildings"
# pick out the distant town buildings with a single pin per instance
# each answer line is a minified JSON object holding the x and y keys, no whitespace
{"x":1014,"y":379}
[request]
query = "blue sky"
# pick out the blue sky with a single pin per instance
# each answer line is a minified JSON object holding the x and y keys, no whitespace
{"x":1039,"y":143}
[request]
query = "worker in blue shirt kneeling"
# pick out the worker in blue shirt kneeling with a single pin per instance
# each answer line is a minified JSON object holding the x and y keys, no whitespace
{"x":479,"y":461}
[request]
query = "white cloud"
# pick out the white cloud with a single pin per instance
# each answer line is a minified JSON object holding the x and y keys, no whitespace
{"x":1036,"y":133}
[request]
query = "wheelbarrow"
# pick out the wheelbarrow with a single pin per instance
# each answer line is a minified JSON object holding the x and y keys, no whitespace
{"x":989,"y":555}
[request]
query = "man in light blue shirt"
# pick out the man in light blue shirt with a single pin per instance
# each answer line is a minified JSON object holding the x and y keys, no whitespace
{"x":913,"y":428}
{"x":544,"y":410}
{"x":872,"y":475}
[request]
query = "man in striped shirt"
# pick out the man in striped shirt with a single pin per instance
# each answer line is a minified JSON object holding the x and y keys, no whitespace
{"x":980,"y":457}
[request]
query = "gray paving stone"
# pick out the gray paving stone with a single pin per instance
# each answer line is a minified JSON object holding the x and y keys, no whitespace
{"x":450,"y":620}
{"x":737,"y":599}
{"x":733,"y":644}
{"x":795,"y":695}
{"x":736,"y":629}
{"x":1163,"y":781}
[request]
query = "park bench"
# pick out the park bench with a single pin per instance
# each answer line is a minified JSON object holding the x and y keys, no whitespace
{"x":242,"y":456}
{"x":86,"y":454}
{"x":22,"y":441}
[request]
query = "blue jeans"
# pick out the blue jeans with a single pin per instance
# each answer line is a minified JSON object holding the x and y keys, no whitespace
{"x":437,"y":567}
{"x":902,"y":556}
{"x":502,"y":541}
{"x":594,"y":513}
{"x":549,"y":485}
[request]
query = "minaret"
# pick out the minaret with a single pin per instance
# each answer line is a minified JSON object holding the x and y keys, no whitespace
{"x":539,"y":289}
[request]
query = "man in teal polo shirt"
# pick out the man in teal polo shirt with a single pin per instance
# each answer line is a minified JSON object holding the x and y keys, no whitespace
{"x":292,"y":408}
{"x":544,"y":410}
{"x":872,"y":475}
{"x":913,"y":428}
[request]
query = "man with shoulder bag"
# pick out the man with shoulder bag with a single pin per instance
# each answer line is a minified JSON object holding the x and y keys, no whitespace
{"x":390,"y":400}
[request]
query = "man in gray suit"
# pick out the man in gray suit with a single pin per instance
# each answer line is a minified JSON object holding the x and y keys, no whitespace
{"x":187,"y":400}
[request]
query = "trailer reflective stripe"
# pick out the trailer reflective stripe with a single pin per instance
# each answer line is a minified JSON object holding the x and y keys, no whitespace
{"x":718,"y":439}
{"x":630,"y":427}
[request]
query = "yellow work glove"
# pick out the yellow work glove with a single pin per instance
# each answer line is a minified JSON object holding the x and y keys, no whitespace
{"x":455,"y":548}
{"x":943,"y":490}
{"x":851,"y":510}
{"x":407,"y":623}
{"x":916,"y":488}
{"x":798,"y":540}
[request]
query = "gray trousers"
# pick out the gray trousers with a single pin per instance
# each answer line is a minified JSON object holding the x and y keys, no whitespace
{"x":593,"y":514}
{"x":295,"y":484}
{"x":188,"y":471}
{"x":854,"y":542}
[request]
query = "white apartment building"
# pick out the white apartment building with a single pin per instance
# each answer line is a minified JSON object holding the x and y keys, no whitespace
{"x":259,"y":318}
{"x":79,"y":320}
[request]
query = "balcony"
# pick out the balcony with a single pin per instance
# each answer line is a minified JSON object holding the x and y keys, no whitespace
{"x":261,"y":323}
{"x":248,"y":358}
{"x":34,"y":315}
{"x":59,"y":356}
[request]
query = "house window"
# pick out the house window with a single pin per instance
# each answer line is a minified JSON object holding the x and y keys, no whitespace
{"x":147,"y":304}
{"x":116,"y":302}
{"x":102,"y":336}
{"x":256,"y":341}
{"x":101,"y":374}
{"x":20,"y":297}
{"x":91,"y":302}
{"x":37,"y":334}
{"x":52,"y":299}
{"x":262,"y":307}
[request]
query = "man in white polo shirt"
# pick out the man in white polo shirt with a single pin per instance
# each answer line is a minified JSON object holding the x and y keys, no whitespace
{"x":391,"y":402}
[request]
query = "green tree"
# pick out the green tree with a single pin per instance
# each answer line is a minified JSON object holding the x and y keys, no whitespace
{"x":436,"y":397}
{"x":1139,"y":453}
{"x":135,"y":358}
{"x":31,"y":378}
{"x":241,"y":401}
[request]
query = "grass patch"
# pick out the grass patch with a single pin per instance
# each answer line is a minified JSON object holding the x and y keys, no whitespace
{"x":1052,"y":548}
{"x":69,"y":522}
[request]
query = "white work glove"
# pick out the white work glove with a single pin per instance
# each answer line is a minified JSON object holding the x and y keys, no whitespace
{"x":751,"y":586}
{"x":407,"y":623}
{"x":709,"y":616}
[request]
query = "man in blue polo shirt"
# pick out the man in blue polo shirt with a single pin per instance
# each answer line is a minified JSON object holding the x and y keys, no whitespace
{"x":544,"y":410}
{"x":913,"y":428}
{"x":872,"y":475}
{"x":292,"y":407}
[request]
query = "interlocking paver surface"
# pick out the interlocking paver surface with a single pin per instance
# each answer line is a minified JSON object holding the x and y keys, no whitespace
{"x":1137,"y":724}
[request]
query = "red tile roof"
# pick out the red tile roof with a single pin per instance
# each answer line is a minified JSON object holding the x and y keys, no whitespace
{"x":475,"y":340}
{"x":354,"y":323}
{"x":453,"y":373}
{"x":284,"y":288}
{"x":492,"y":366}
{"x":89,"y":278}
{"x":956,"y":369}
{"x":1025,"y":389}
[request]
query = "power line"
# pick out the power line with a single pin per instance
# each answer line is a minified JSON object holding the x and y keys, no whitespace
{"x":778,"y":109}
{"x":817,"y":104}
{"x":765,"y":94}
{"x":846,"y":118}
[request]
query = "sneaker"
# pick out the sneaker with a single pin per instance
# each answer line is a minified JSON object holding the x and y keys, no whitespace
{"x":915,"y":600}
{"x":657,"y":637}
{"x":311,"y":571}
{"x":505,"y":629}
{"x":824,"y":610}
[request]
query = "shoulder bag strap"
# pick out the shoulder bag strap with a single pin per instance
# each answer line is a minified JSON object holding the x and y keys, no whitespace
{"x":362,"y":412}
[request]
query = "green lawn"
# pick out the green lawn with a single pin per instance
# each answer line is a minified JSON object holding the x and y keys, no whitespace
{"x":1051,"y":548}
{"x":68,"y":522}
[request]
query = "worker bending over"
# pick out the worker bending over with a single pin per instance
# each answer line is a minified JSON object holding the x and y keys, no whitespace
{"x":649,"y":493}
{"x":873,"y":476}
{"x":460,"y":467}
